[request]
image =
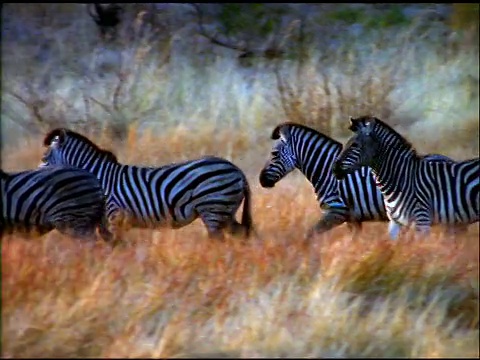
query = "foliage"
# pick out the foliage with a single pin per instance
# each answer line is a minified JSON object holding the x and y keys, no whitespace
{"x":256,"y":19}
{"x":393,"y":16}
{"x":465,"y":16}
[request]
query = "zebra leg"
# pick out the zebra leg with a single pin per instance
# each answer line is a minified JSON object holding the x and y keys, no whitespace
{"x":118,"y":224}
{"x":394,"y":229}
{"x":355,"y":228}
{"x":330,"y":220}
{"x":81,"y":230}
{"x":421,"y":231}
{"x":423,"y":222}
{"x":237,"y":229}
{"x":215,"y":224}
{"x":453,"y":231}
{"x":86,"y":236}
{"x":457,"y":229}
{"x":215,"y":233}
{"x":103,"y":230}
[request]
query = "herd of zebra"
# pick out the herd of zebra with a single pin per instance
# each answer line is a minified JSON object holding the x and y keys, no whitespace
{"x":377,"y":176}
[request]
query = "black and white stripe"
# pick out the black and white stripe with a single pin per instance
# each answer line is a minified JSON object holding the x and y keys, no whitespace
{"x":415,"y":190}
{"x":67,"y":199}
{"x":174,"y":195}
{"x":353,"y":200}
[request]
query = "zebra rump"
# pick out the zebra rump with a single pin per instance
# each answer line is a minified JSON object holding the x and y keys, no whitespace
{"x":67,"y":199}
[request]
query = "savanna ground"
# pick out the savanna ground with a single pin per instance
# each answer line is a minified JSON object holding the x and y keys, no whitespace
{"x":173,"y":293}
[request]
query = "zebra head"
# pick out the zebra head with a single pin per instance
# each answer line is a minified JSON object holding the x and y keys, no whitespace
{"x":360,"y":150}
{"x":53,"y":155}
{"x":282,"y":158}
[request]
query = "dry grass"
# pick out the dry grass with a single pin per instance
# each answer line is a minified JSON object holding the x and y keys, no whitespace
{"x":176,"y":294}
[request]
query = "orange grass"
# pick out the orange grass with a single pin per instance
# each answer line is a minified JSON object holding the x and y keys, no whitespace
{"x":174,"y":293}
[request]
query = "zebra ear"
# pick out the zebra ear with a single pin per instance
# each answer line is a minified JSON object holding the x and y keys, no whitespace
{"x":62,"y":135}
{"x":58,"y":136}
{"x":353,"y":124}
{"x":281,"y":131}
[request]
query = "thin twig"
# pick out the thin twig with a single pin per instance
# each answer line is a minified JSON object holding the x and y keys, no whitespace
{"x":106,"y":108}
{"x":213,"y":39}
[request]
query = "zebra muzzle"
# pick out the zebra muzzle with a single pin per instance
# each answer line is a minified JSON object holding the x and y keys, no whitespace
{"x":265,"y":181}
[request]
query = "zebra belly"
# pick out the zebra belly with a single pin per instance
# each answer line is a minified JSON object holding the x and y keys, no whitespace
{"x":20,"y":220}
{"x":363,"y":197}
{"x":451,"y":215}
{"x":362,"y":214}
{"x":161,"y":215}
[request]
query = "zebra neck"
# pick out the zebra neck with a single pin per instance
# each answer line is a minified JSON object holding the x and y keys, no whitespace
{"x":394,"y":174}
{"x":316,"y":165}
{"x":105,"y":171}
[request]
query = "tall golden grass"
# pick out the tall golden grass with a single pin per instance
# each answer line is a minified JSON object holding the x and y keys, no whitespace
{"x":174,"y":293}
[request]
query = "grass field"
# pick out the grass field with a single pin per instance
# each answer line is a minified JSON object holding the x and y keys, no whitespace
{"x":174,"y":293}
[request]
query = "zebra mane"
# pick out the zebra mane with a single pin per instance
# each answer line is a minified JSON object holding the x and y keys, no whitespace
{"x":59,"y":131}
{"x":382,"y":124}
{"x":278,"y":129}
{"x":404,"y":142}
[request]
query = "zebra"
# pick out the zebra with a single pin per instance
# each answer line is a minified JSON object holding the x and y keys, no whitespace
{"x":174,"y":195}
{"x":66,"y":199}
{"x":415,"y":191}
{"x":352,"y":201}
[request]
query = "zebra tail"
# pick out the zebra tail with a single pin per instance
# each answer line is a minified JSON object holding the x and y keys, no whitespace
{"x":247,"y":210}
{"x":104,"y":224}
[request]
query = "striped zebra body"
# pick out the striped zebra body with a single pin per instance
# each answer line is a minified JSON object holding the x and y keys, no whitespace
{"x":415,"y":190}
{"x":67,"y":199}
{"x":174,"y":195}
{"x":353,"y":200}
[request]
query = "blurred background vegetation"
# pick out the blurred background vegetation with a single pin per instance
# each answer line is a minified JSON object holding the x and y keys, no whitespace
{"x":180,"y":81}
{"x":244,"y":65}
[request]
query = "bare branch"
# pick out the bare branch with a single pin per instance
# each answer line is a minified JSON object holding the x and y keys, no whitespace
{"x":86,"y":103}
{"x":106,"y":108}
{"x":118,"y":91}
{"x":281,"y":89}
{"x":272,"y":52}
{"x":213,"y":39}
{"x":33,"y":106}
